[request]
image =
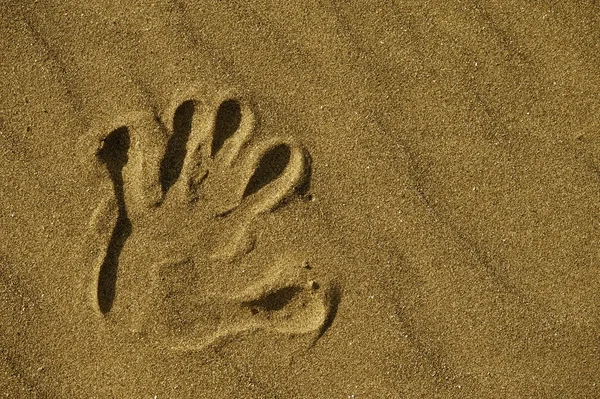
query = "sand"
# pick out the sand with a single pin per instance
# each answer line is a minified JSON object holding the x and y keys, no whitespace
{"x":299,"y":200}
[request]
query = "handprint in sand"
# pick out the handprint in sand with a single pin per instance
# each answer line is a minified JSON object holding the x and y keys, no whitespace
{"x":189,"y":184}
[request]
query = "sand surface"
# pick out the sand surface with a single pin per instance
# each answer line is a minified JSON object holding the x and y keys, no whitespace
{"x":265,"y":199}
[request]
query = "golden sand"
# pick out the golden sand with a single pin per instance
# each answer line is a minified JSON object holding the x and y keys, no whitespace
{"x":264,"y":199}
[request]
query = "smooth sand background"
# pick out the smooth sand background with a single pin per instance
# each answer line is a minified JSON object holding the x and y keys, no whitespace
{"x":454,"y":175}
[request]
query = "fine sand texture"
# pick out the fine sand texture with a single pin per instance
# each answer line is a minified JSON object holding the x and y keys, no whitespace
{"x":267,"y":199}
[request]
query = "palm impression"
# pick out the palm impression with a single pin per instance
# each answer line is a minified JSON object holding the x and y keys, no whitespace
{"x":187,"y":188}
